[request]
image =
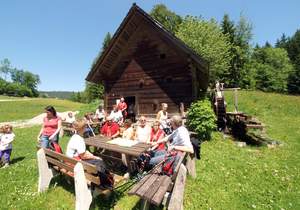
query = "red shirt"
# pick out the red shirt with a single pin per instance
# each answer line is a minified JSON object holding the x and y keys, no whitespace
{"x":109,"y":130}
{"x":155,"y":136}
{"x":122,"y":106}
{"x":50,"y":126}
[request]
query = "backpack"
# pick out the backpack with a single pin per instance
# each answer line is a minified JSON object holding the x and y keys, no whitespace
{"x":55,"y":147}
{"x":169,"y":163}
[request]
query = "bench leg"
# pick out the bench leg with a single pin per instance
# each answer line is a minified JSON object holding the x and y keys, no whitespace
{"x":83,"y":194}
{"x":176,"y":200}
{"x":126,"y":162}
{"x":145,"y":205}
{"x":45,"y":174}
{"x":191,"y":165}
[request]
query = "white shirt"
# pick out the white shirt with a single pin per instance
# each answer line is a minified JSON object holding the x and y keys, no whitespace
{"x":99,"y":114}
{"x":76,"y":146}
{"x":181,"y":137}
{"x":116,"y":116}
{"x":70,"y":119}
{"x":143,"y":134}
{"x":5,"y":141}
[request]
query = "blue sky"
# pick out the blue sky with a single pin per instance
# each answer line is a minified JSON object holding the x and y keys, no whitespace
{"x":59,"y":39}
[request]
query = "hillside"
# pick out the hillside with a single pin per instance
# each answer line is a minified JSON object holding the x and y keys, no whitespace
{"x":57,"y":94}
{"x":228,"y":177}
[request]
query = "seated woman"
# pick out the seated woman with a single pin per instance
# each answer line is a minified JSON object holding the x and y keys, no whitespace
{"x":50,"y":128}
{"x":157,"y":135}
{"x":88,"y":120}
{"x":110,"y":129}
{"x":162,"y":117}
{"x":180,"y":141}
{"x":128,"y":133}
{"x":76,"y":149}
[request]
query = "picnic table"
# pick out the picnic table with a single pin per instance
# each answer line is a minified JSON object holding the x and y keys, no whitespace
{"x":127,"y":154}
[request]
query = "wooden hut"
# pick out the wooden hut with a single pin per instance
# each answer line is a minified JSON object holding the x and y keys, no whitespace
{"x":148,"y":65}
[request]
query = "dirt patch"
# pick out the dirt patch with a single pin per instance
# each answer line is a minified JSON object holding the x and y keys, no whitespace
{"x":37,"y":120}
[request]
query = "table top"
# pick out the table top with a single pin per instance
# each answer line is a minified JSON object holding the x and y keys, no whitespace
{"x":101,"y":142}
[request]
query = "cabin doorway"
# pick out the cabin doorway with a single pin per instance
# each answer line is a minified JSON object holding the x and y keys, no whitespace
{"x":131,"y":107}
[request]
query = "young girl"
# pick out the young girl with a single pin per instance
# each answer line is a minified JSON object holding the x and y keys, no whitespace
{"x":6,"y":139}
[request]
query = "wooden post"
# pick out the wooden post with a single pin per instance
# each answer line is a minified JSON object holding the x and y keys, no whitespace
{"x":235,"y":100}
{"x":45,"y":174}
{"x":176,"y":201}
{"x":82,"y":193}
{"x":191,"y":165}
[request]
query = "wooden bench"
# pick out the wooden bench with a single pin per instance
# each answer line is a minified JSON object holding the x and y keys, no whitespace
{"x":158,"y":189}
{"x":51,"y":163}
{"x":67,"y":128}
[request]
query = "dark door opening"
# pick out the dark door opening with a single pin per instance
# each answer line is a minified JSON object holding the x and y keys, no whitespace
{"x":131,"y":107}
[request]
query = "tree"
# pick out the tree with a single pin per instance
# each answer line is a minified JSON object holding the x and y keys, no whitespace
{"x":5,"y":68}
{"x":93,"y":91}
{"x":105,"y":44}
{"x":282,"y":42}
{"x":239,"y":36}
{"x":206,"y":38}
{"x":167,"y":18}
{"x":293,"y":48}
{"x":272,"y":67}
{"x":27,"y":79}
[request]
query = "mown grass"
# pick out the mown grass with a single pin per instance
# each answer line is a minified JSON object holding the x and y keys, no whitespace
{"x":228,"y":177}
{"x":27,"y":109}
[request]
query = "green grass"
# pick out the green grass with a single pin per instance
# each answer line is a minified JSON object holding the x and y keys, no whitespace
{"x":27,"y":109}
{"x":228,"y":177}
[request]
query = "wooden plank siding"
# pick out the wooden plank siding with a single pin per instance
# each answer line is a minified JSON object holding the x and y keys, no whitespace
{"x":154,"y":74}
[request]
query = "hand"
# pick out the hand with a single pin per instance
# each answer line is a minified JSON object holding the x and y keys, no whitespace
{"x":38,"y":139}
{"x":170,"y":148}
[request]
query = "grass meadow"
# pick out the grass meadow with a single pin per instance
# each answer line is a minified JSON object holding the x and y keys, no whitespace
{"x":19,"y":109}
{"x":228,"y":177}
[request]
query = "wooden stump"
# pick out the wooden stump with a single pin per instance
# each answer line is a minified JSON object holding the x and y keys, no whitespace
{"x":191,"y":165}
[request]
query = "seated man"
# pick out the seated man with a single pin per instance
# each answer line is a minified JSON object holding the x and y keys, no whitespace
{"x":76,"y":149}
{"x":70,"y":118}
{"x":180,"y":141}
{"x":110,"y":128}
{"x":116,"y":115}
{"x":143,"y":131}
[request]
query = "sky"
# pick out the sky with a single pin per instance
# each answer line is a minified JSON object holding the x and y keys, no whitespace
{"x":59,"y":39}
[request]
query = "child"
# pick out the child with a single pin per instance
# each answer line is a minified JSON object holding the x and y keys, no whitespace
{"x":6,"y":139}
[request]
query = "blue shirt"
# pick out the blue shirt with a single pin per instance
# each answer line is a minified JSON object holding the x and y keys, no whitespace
{"x":181,"y":137}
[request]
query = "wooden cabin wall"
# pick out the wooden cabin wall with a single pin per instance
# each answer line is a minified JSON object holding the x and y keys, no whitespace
{"x":153,"y":72}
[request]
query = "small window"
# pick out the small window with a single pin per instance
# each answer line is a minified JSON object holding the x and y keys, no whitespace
{"x":162,"y":56}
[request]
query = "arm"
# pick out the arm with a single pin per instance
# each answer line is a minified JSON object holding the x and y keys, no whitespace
{"x":88,"y":156}
{"x":164,"y":139}
{"x":116,"y":134}
{"x":182,"y":148}
{"x":40,"y":133}
{"x":158,"y":116}
{"x":57,"y":130}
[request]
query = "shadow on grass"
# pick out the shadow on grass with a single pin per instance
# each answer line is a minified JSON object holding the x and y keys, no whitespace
{"x":139,"y":204}
{"x":15,"y":160}
{"x":108,"y":202}
{"x":101,"y":201}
